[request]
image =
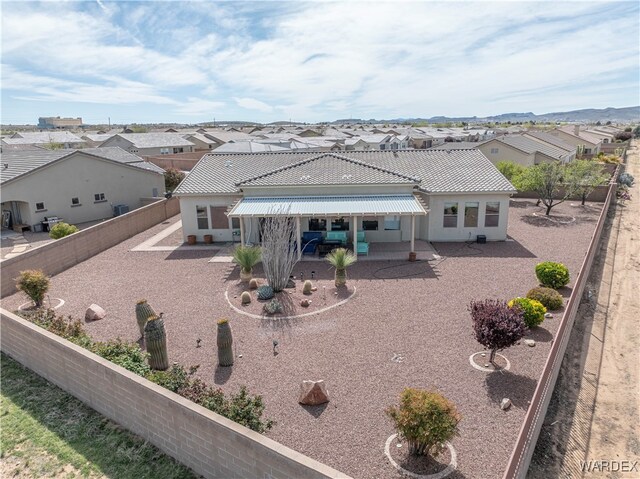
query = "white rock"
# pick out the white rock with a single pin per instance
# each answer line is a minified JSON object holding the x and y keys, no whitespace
{"x":505,"y":404}
{"x":94,"y":313}
{"x":548,"y":315}
{"x":530,"y":342}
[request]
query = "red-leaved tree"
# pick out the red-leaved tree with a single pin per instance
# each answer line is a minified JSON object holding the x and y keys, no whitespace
{"x":495,"y":325}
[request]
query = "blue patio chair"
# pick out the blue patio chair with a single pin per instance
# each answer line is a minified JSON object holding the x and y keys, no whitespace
{"x":363,"y":246}
{"x":337,"y":236}
{"x":310,"y":241}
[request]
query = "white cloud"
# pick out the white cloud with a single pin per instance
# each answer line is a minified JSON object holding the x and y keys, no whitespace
{"x":253,"y":104}
{"x":197,"y":107}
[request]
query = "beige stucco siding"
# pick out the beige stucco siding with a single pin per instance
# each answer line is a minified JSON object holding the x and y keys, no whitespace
{"x":505,"y":153}
{"x":437,"y":232}
{"x":81,"y":177}
{"x":189,"y":216}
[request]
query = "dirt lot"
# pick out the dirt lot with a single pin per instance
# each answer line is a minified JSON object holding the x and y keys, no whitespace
{"x":595,"y":409}
{"x":408,"y":325}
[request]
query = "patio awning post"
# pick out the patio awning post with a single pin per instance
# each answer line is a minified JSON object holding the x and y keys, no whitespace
{"x":298,"y":235}
{"x":355,"y":235}
{"x":413,"y":233}
{"x":241,"y":231}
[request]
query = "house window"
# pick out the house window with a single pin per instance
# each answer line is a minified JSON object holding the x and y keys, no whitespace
{"x":370,"y":225}
{"x":391,"y":223}
{"x":235,"y":223}
{"x":219,"y":219}
{"x":178,"y":150}
{"x":471,"y":214}
{"x":40,"y":206}
{"x":587,"y":151}
{"x":316,"y":224}
{"x":164,"y":151}
{"x":339,"y":224}
{"x":450,"y":215}
{"x":203,"y":219}
{"x":75,"y":201}
{"x":494,"y":151}
{"x":99,"y":197}
{"x":492,"y":215}
{"x":382,"y":146}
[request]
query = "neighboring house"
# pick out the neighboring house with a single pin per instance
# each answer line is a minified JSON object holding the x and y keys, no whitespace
{"x":63,"y":139}
{"x":94,"y":140}
{"x":548,"y":139}
{"x":201,"y":142}
{"x":150,"y":144}
{"x":457,"y":145}
{"x":247,"y":147}
{"x":522,"y":150}
{"x":578,"y":138}
{"x":393,"y":196}
{"x":75,"y":185}
{"x":220,"y":137}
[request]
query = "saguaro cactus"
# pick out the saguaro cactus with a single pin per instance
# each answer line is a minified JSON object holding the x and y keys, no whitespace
{"x":155,"y":338}
{"x":143,"y":312}
{"x":225,"y":342}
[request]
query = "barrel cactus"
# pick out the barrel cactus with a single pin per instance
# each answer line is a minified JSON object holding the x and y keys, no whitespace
{"x":155,"y":338}
{"x":143,"y":312}
{"x":265,"y":292}
{"x":306,"y":288}
{"x":225,"y":343}
{"x":245,"y":297}
{"x":273,"y":307}
{"x":253,"y":284}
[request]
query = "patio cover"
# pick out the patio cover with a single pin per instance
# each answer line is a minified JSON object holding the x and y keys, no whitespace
{"x":314,"y":206}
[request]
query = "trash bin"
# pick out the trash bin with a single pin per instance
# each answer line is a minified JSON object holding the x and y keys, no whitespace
{"x":481,"y":239}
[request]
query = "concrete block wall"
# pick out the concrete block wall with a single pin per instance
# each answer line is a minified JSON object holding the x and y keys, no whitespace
{"x":208,"y":443}
{"x":59,"y":255}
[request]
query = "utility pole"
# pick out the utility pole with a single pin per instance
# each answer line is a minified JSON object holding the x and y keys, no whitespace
{"x":109,"y":122}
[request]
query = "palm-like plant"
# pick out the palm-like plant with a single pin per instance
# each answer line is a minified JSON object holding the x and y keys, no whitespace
{"x":246,"y":257}
{"x":341,"y":259}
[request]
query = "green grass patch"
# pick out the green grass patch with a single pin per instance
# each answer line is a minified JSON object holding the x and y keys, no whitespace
{"x":47,"y":433}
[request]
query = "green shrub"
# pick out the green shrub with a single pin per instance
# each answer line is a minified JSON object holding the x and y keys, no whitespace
{"x":127,"y":355}
{"x":425,"y":420}
{"x":532,"y":310}
{"x":62,"y":229}
{"x":549,"y":298}
{"x":174,"y":379}
{"x":552,"y":275}
{"x":65,"y":327}
{"x":34,"y":283}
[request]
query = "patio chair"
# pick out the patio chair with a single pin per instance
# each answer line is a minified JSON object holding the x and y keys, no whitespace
{"x":337,"y":236}
{"x":310,"y":241}
{"x":363,"y":246}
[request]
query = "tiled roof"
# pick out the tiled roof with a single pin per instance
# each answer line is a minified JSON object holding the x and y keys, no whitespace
{"x":457,"y":145}
{"x":529,"y":145}
{"x":155,"y":140}
{"x":22,"y":162}
{"x":454,"y":171}
{"x":246,"y":147}
{"x":38,"y":137}
{"x":328,"y":169}
{"x":554,"y":140}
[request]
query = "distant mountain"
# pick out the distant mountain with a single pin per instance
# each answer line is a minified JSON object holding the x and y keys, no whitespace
{"x":589,"y":115}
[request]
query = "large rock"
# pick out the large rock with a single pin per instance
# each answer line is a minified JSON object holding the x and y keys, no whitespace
{"x":313,"y":393}
{"x":530,"y":342}
{"x":94,"y":313}
{"x":505,"y":404}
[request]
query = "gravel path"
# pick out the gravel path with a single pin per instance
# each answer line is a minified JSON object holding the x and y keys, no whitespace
{"x":414,"y":313}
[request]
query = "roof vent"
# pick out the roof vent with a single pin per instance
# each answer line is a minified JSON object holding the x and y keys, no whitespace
{"x":228,"y":163}
{"x":305,"y":177}
{"x":5,"y":165}
{"x":347,"y":177}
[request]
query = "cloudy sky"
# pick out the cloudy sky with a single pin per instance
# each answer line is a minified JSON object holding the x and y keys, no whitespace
{"x":154,"y":61}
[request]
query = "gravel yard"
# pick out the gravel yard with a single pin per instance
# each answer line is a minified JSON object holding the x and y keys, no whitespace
{"x":407,"y":325}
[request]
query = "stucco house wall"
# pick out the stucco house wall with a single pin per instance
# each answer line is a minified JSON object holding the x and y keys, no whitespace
{"x":505,"y":153}
{"x":437,"y":232}
{"x":81,"y":177}
{"x":188,"y":213}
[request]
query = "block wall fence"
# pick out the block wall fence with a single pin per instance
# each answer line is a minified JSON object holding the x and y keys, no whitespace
{"x":208,"y":443}
{"x":62,"y":254}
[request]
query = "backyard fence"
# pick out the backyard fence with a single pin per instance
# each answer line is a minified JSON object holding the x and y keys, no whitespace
{"x":528,"y":436}
{"x":62,"y":254}
{"x":211,"y":445}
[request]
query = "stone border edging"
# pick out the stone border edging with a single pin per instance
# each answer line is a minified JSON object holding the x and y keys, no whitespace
{"x":489,"y":370}
{"x":438,"y":475}
{"x":311,"y":313}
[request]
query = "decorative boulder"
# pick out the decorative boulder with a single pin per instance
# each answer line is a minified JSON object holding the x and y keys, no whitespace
{"x":530,"y":342}
{"x":505,"y":404}
{"x":313,"y":393}
{"x":305,"y":303}
{"x":94,"y":313}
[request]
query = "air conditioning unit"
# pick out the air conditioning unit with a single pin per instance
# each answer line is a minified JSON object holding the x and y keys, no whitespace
{"x":120,"y":210}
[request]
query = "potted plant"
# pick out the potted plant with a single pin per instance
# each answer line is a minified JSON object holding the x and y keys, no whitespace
{"x":341,"y":259}
{"x":208,"y":239}
{"x":191,"y":239}
{"x":246,"y":257}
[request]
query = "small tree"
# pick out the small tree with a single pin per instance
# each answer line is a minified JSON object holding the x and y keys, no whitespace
{"x":623,"y":136}
{"x":509,"y":169}
{"x":35,"y":284}
{"x":279,"y":253}
{"x":636,"y":132}
{"x":545,"y":180}
{"x":425,"y":419}
{"x":341,"y":259}
{"x":62,"y":229}
{"x":584,"y":176}
{"x":172,"y":178}
{"x":496,"y":326}
{"x":246,"y":257}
